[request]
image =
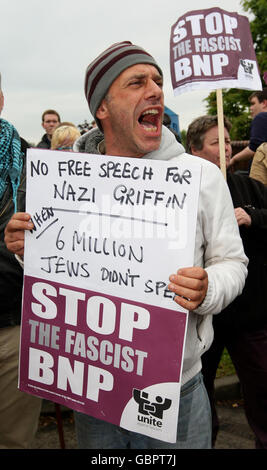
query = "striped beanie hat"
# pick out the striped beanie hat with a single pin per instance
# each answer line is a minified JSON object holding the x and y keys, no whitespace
{"x":102,"y":72}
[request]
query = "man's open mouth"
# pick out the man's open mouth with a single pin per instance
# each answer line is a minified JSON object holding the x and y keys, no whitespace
{"x":150,"y":120}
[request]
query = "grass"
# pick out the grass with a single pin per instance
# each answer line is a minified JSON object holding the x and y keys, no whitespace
{"x":226,"y":366}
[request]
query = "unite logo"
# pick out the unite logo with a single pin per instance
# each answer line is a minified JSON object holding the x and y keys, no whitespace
{"x":247,"y":66}
{"x":150,"y":412}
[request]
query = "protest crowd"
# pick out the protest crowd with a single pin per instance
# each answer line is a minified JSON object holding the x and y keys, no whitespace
{"x":224,"y":290}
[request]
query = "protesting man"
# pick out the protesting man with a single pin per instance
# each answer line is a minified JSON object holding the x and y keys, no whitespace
{"x":50,"y":121}
{"x":123,"y":87}
{"x":19,"y":411}
{"x":242,"y":326}
{"x":258,"y":129}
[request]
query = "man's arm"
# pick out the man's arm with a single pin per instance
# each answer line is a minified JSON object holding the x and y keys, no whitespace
{"x":242,"y":217}
{"x":220,"y":262}
{"x":15,"y":232}
{"x":243,"y":156}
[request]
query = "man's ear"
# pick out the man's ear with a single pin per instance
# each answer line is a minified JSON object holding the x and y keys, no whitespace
{"x":1,"y":101}
{"x":102,"y":112}
{"x":193,"y":150}
{"x":264,"y":104}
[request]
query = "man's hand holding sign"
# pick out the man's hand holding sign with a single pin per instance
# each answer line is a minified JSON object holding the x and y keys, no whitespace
{"x":190,"y":285}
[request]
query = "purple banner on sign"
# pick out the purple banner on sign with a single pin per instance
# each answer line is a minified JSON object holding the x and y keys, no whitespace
{"x":96,"y":353}
{"x":211,"y":46}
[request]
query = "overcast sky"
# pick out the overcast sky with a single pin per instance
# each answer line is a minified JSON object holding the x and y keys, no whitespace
{"x":46,"y":46}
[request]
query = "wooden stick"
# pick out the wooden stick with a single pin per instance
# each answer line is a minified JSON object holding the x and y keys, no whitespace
{"x":221,"y":131}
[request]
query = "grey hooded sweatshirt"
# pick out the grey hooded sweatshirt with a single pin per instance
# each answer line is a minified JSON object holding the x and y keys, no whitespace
{"x":218,"y":246}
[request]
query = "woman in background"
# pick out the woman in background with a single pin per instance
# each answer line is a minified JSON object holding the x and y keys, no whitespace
{"x":64,"y":137}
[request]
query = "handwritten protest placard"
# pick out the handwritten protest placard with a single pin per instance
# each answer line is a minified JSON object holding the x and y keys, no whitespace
{"x":100,"y":332}
{"x":211,"y":49}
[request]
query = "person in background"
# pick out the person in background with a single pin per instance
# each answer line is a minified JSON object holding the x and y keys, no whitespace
{"x":258,"y":169}
{"x":242,"y":326}
{"x":50,"y":121}
{"x":19,"y":412}
{"x":167,"y":123}
{"x":124,"y":90}
{"x":64,"y":137}
{"x":258,"y":128}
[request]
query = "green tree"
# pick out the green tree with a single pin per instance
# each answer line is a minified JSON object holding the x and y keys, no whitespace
{"x":235,"y":101}
{"x":183,"y":138}
{"x":258,"y":27}
{"x":236,"y":108}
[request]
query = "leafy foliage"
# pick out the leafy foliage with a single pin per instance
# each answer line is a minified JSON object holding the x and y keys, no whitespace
{"x":258,"y":27}
{"x":226,"y":366}
{"x":236,"y":108}
{"x":183,"y":138}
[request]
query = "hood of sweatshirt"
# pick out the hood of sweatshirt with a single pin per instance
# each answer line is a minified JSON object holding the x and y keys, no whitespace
{"x":168,"y":149}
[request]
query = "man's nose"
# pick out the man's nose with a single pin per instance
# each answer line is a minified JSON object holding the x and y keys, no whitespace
{"x":153,"y":90}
